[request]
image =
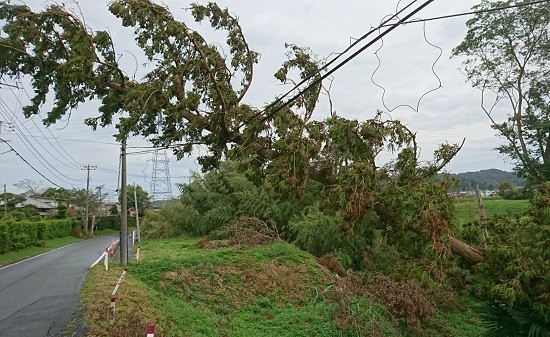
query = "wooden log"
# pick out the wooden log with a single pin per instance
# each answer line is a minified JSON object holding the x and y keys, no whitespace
{"x":466,"y":251}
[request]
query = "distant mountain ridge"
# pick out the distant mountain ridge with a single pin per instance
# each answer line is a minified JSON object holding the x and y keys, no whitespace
{"x":486,"y":179}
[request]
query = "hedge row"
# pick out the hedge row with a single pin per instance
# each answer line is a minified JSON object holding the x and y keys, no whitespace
{"x":16,"y":235}
{"x":112,"y":222}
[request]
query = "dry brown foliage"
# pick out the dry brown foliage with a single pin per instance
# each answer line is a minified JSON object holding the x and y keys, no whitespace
{"x":437,"y":226}
{"x":359,"y":201}
{"x":405,"y":300}
{"x":332,"y":264}
{"x":235,"y":285}
{"x":251,"y":231}
{"x":205,"y":243}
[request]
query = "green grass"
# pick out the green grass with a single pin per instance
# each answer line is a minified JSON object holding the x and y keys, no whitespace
{"x":462,"y":322}
{"x":467,"y":210}
{"x":12,"y":257}
{"x":267,"y":290}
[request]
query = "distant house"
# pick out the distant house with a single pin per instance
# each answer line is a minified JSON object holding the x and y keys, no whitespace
{"x":106,"y":207}
{"x":42,"y":206}
{"x":489,"y":193}
{"x":47,"y":200}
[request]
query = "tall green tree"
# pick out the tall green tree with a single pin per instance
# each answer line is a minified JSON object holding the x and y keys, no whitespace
{"x":192,"y":94}
{"x":508,"y":54}
{"x":143,"y":200}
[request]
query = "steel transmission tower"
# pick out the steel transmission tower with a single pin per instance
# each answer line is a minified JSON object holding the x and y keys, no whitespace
{"x":161,"y":186}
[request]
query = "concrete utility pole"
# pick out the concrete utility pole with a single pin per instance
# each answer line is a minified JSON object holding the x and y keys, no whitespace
{"x":137,"y":213}
{"x":87,"y":168}
{"x":5,"y":200}
{"x":123,"y":206}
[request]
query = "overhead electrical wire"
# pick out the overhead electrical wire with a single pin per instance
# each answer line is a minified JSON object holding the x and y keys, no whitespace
{"x":81,"y":140}
{"x":383,"y":25}
{"x":475,"y":12}
{"x":417,"y":107}
{"x":29,"y":164}
{"x":315,"y":82}
{"x":28,"y":144}
{"x":324,"y":67}
{"x":34,"y":151}
{"x":70,"y":158}
{"x":71,"y":166}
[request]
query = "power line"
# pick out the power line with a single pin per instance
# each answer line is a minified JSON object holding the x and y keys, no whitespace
{"x":475,"y":12}
{"x":338,"y":66}
{"x":86,"y":141}
{"x":26,"y":162}
{"x":324,"y":67}
{"x":60,"y":146}
{"x":384,"y":24}
{"x":14,"y":118}
{"x":28,"y":144}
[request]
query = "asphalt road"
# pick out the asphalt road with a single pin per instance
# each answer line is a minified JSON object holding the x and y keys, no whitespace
{"x":38,"y":296}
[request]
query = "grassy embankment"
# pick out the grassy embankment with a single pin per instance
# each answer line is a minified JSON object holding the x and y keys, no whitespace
{"x":19,"y":255}
{"x":266,"y":290}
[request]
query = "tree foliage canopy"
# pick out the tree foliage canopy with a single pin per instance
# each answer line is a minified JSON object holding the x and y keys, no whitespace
{"x":193,"y":94}
{"x":507,"y":53}
{"x":188,"y":96}
{"x":143,"y":200}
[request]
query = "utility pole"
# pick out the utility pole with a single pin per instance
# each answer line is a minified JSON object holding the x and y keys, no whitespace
{"x":5,"y":200}
{"x":87,"y":168}
{"x":123,"y":206}
{"x":137,"y":214}
{"x":482,"y":217}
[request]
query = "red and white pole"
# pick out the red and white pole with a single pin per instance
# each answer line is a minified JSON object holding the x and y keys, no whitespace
{"x":150,"y":331}
{"x":112,"y":319}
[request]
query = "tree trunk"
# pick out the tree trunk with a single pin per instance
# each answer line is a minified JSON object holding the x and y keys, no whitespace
{"x":465,"y":251}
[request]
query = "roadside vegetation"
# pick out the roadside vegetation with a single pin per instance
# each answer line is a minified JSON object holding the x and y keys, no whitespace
{"x":46,"y":245}
{"x":198,"y":287}
{"x":218,"y":263}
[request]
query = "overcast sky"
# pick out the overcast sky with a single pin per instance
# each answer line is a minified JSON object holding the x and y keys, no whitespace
{"x":448,"y":114}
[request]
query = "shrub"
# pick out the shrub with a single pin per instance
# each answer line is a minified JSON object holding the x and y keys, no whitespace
{"x":316,"y":232}
{"x":108,"y":222}
{"x":173,"y":219}
{"x":16,"y":235}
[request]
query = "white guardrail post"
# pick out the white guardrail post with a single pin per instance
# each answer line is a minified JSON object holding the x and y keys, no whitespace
{"x":106,"y":261}
{"x":109,"y":251}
